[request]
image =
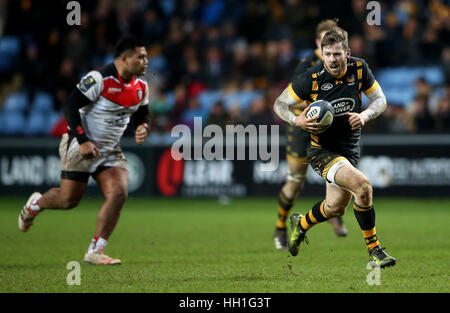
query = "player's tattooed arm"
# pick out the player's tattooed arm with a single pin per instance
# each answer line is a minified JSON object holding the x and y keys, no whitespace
{"x":376,"y":106}
{"x":282,"y":107}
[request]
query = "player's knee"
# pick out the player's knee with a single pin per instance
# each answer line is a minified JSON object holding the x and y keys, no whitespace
{"x":335,"y":210}
{"x":119,"y":196}
{"x":296,"y":178}
{"x":69,"y":203}
{"x":291,"y":189}
{"x":364,"y":192}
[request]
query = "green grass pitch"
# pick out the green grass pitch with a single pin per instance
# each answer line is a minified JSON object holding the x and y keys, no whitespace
{"x":202,"y":246}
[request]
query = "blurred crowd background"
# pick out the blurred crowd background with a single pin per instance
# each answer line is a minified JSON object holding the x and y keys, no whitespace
{"x":223,"y":60}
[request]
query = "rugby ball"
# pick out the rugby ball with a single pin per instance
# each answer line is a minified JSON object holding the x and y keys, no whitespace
{"x":324,"y":112}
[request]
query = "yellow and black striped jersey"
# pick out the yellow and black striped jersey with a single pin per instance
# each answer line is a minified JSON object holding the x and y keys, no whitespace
{"x":305,"y":63}
{"x":344,"y":94}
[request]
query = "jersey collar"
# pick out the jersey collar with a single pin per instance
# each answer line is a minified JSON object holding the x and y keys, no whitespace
{"x":343,"y":74}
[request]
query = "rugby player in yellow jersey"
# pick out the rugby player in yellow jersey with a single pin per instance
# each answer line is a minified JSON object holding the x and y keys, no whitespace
{"x":297,"y":142}
{"x":334,"y":153}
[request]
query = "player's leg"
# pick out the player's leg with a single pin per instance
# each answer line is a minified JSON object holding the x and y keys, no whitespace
{"x":334,"y":205}
{"x":66,"y":196}
{"x":358,"y":184}
{"x":74,"y":178}
{"x":297,"y":142}
{"x":114,"y":183}
{"x":325,"y":163}
{"x":294,"y":183}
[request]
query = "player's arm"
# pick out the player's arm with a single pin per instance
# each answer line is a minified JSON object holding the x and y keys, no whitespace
{"x":87,"y":91}
{"x":71,"y":106}
{"x":377,"y":103}
{"x":301,"y":87}
{"x":283,"y":104}
{"x":142,"y":119}
{"x":377,"y":100}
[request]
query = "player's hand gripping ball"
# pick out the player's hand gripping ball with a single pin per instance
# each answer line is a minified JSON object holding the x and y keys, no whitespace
{"x":324,"y":112}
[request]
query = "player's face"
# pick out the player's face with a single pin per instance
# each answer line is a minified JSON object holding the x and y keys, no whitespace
{"x":137,"y":62}
{"x":335,"y":59}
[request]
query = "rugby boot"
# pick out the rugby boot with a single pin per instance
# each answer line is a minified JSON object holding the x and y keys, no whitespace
{"x":100,"y":258}
{"x":280,"y":239}
{"x":379,"y":258}
{"x":26,"y":215}
{"x":338,"y":225}
{"x":297,"y":235}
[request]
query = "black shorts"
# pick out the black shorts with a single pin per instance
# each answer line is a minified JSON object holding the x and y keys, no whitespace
{"x":322,"y":160}
{"x":297,"y":143}
{"x":82,"y":176}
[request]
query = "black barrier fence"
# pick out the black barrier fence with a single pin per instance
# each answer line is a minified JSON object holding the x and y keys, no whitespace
{"x":396,"y":166}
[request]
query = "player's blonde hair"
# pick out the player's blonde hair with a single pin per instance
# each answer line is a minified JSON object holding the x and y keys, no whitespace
{"x":325,"y":26}
{"x":336,"y":35}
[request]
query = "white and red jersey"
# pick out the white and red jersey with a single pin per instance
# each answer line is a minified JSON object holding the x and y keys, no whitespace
{"x":113,"y":102}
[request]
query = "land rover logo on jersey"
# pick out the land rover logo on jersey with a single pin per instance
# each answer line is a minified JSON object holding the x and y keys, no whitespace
{"x":139,"y":94}
{"x":326,"y":86}
{"x":342,"y":106}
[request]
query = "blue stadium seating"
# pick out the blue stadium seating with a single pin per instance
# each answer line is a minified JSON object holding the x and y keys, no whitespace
{"x":158,"y":63}
{"x":231,"y":99}
{"x":243,"y":98}
{"x":9,"y":49}
{"x":13,"y":123}
{"x":42,"y":101}
{"x":36,"y":124}
{"x":247,"y":97}
{"x":170,"y":98}
{"x":208,"y":99}
{"x":10,"y":45}
{"x":109,"y":58}
{"x":15,"y":102}
{"x":303,"y":53}
{"x":41,"y":122}
{"x":53,"y":118}
{"x":398,"y":83}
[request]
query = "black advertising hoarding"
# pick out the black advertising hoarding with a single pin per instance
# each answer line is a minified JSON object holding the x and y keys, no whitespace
{"x":396,"y":166}
{"x":34,"y":165}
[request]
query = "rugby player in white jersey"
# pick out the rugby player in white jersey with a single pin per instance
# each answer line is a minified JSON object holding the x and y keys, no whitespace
{"x":98,"y":111}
